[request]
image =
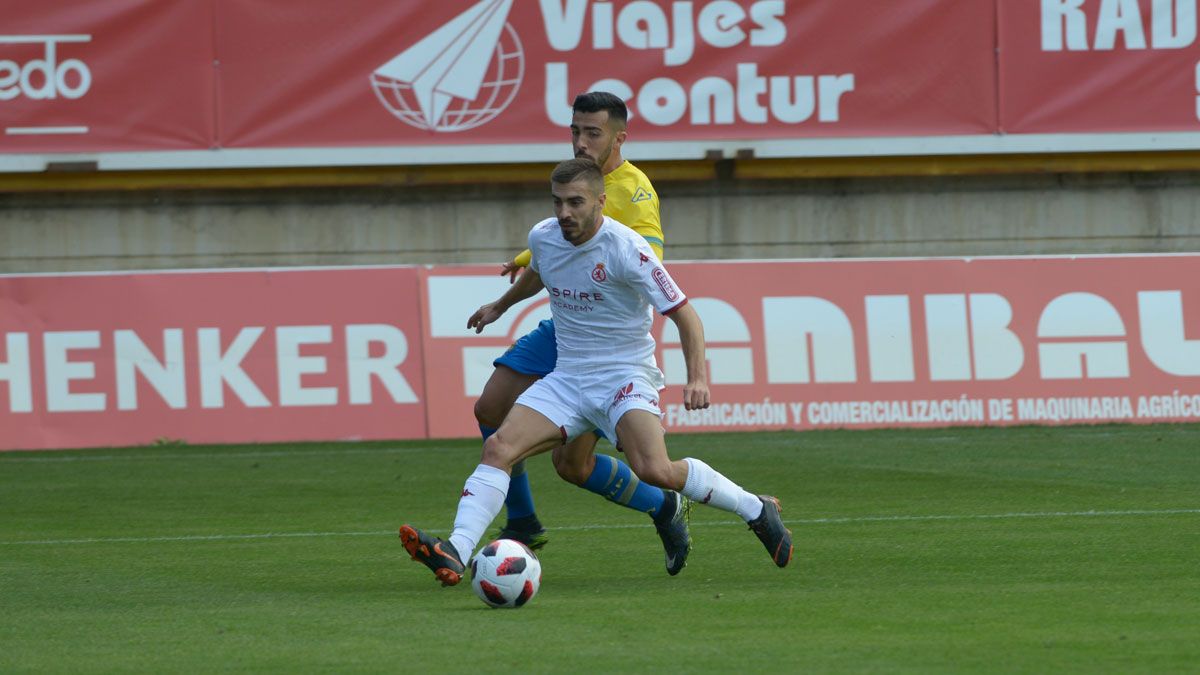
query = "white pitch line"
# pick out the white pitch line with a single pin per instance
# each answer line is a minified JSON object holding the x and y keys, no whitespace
{"x":801,"y":521}
{"x":189,"y":537}
{"x":995,"y":516}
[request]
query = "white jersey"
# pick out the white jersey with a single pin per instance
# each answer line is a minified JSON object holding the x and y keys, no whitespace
{"x":601,"y":294}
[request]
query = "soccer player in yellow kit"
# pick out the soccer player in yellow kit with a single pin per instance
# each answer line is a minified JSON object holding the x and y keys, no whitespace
{"x":598,"y":124}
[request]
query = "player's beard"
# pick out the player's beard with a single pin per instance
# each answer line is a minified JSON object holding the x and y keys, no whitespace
{"x":581,"y":230}
{"x":602,"y":157}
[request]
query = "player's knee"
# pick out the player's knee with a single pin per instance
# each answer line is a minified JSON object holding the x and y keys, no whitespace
{"x":497,"y":451}
{"x":569,"y":468}
{"x":655,"y":472}
{"x":485,"y":413}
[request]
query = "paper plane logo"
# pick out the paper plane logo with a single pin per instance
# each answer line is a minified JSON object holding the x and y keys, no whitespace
{"x":458,"y":77}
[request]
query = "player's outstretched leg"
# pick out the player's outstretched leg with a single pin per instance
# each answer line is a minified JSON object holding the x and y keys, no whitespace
{"x":527,"y":361}
{"x":641,"y":436}
{"x":480,"y":502}
{"x":434,"y":553}
{"x":707,"y":486}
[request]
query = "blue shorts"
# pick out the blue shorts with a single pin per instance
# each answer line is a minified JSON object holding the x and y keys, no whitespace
{"x":535,"y":353}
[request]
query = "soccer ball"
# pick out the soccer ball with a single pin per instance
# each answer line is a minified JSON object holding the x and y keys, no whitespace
{"x":506,"y":574}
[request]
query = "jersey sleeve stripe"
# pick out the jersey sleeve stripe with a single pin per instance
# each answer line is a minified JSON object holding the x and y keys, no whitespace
{"x":654,"y":240}
{"x":672,"y":309}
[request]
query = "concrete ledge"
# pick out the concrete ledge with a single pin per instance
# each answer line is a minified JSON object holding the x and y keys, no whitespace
{"x":81,"y":177}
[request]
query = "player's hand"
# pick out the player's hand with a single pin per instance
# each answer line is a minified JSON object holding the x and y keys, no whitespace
{"x":483,"y":316}
{"x":510,"y":268}
{"x":695,"y":396}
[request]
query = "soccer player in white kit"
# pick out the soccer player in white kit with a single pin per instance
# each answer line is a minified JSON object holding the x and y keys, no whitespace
{"x":603,"y":279}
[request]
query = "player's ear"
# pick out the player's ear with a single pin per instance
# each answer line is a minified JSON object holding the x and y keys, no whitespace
{"x":620,"y":137}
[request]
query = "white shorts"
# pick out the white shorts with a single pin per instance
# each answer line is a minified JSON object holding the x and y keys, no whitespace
{"x":579,"y":402}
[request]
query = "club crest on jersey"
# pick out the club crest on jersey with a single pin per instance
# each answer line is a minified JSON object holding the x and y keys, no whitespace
{"x":641,"y":195}
{"x":664,"y":284}
{"x":599,"y":274}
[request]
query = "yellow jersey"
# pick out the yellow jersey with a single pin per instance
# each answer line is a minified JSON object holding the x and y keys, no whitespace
{"x":631,"y":201}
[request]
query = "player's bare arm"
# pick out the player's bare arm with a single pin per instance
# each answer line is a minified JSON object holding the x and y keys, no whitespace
{"x":691,"y":334}
{"x":526,"y":286}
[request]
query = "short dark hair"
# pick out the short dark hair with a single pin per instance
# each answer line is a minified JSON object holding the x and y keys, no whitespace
{"x":580,"y":168}
{"x":595,"y":101}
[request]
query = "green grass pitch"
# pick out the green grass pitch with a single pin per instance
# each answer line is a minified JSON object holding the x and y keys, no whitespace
{"x":1071,"y":549}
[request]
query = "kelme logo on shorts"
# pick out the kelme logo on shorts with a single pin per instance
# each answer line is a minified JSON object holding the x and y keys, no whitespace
{"x":458,"y":77}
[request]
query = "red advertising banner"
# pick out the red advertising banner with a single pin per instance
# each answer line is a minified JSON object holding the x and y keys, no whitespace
{"x":365,"y":72}
{"x":270,"y":82}
{"x":1070,"y":66}
{"x":888,"y":343}
{"x":462,"y":358}
{"x":210,"y":357}
{"x":377,"y":353}
{"x":85,"y":76}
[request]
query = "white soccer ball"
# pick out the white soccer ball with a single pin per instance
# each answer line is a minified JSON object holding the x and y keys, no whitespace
{"x":506,"y":574}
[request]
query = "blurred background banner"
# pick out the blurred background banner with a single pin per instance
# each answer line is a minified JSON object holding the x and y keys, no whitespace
{"x":210,"y":357}
{"x":119,"y":75}
{"x":888,"y":343}
{"x":470,"y":81}
{"x":376,"y":353}
{"x":108,"y":75}
{"x":936,"y":342}
{"x":365,"y":72}
{"x":1072,"y":67}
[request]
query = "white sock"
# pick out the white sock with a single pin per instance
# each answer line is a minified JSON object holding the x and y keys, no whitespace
{"x":706,"y":486}
{"x":482,"y":498}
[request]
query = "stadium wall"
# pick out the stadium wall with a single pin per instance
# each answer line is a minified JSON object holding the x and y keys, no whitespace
{"x":486,"y":220}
